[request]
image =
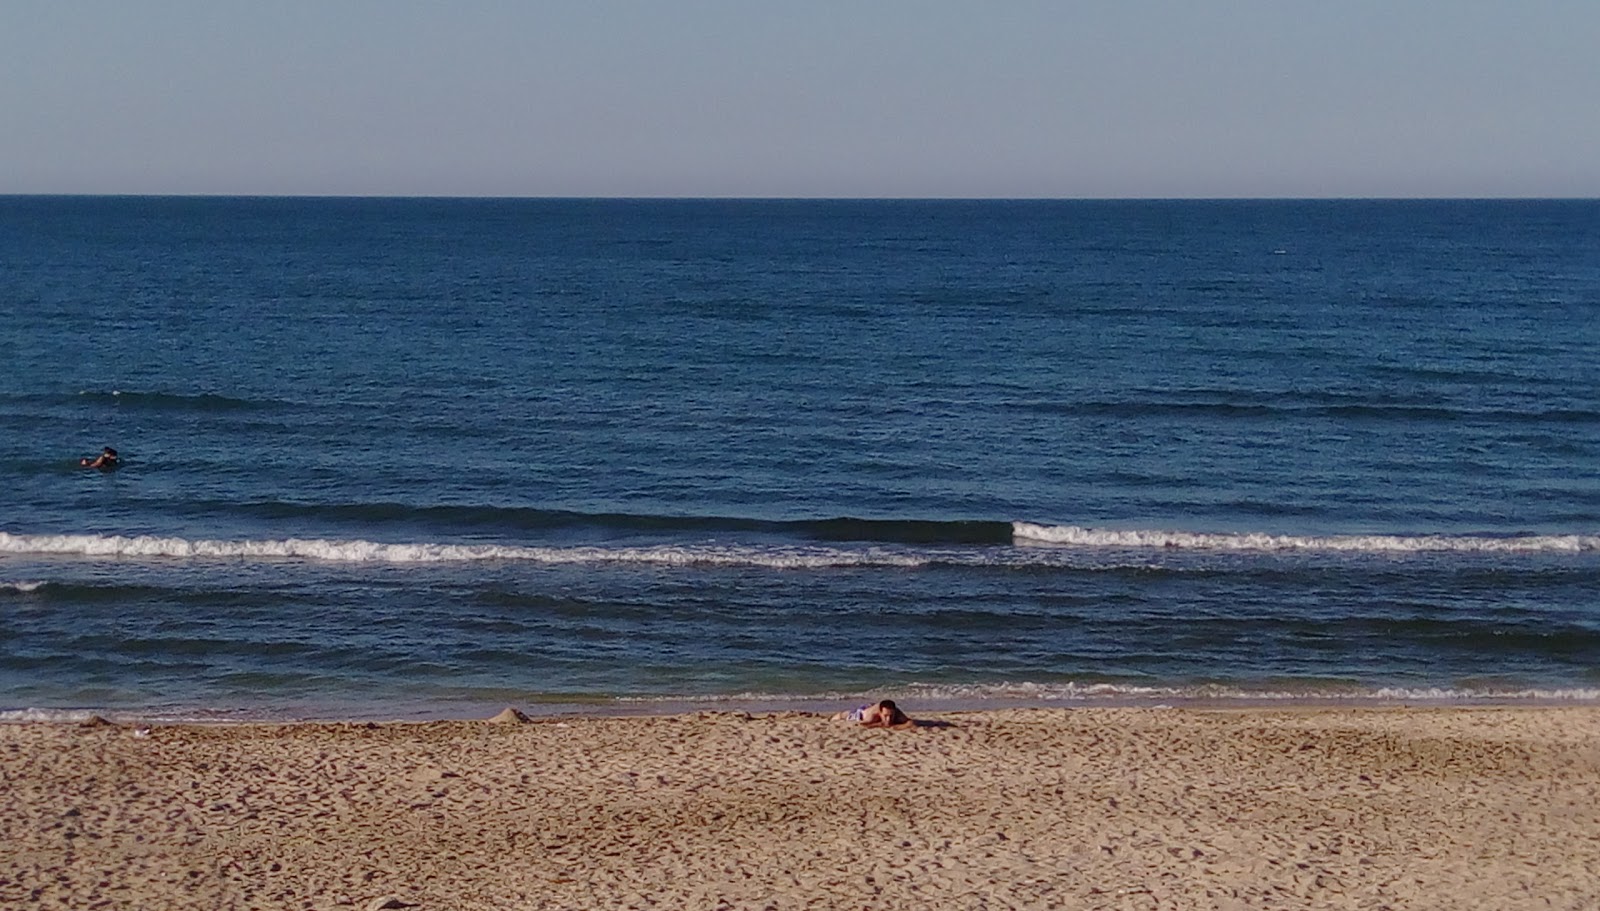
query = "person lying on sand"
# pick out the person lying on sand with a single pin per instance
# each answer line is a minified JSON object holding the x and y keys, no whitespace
{"x":884,"y":714}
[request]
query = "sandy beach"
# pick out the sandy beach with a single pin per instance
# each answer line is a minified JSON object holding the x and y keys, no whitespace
{"x":1495,"y":808}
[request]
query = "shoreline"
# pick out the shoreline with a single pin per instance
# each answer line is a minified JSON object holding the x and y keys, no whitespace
{"x":613,"y":707}
{"x":1217,"y":807}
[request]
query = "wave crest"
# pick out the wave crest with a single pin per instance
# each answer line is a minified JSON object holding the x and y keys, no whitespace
{"x":376,"y":552}
{"x":797,"y":556}
{"x":1145,"y":539}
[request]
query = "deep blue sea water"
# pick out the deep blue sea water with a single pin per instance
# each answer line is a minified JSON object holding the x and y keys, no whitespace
{"x":419,"y":457}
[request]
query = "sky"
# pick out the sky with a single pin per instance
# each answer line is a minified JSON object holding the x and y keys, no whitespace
{"x":809,"y":98}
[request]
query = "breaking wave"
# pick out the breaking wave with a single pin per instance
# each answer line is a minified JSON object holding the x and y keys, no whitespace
{"x":145,"y":546}
{"x":1040,"y":546}
{"x":517,"y":520}
{"x":1144,"y":539}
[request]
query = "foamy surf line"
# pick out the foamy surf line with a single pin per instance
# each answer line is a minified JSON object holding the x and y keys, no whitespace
{"x":1088,"y":693}
{"x":335,"y":551}
{"x":1076,"y":536}
{"x":1030,"y":536}
{"x":916,"y":697}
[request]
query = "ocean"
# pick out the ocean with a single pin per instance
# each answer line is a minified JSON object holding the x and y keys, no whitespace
{"x":416,"y":458}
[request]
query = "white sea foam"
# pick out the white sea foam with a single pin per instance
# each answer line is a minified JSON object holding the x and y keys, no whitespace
{"x":145,"y":546}
{"x":768,"y":556}
{"x":23,"y":587}
{"x":1076,"y":536}
{"x":1138,"y":694}
{"x":1124,"y":692}
{"x":27,"y":716}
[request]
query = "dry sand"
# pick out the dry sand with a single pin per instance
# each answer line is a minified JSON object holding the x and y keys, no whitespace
{"x":1097,"y":808}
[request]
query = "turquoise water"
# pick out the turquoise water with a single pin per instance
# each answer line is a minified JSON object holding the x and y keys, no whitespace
{"x":434,"y":456}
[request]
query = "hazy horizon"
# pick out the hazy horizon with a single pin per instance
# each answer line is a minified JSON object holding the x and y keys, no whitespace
{"x":1024,"y":199}
{"x":728,"y":100}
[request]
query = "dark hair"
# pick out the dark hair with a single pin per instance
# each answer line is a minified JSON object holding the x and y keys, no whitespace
{"x":111,"y":452}
{"x":895,"y":715}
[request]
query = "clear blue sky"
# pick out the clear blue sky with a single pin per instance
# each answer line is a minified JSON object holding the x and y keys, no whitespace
{"x":1100,"y":98}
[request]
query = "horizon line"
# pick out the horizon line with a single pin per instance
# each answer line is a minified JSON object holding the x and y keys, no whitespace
{"x":737,"y":198}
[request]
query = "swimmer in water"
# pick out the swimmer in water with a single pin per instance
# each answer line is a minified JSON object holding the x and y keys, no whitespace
{"x":105,"y":461}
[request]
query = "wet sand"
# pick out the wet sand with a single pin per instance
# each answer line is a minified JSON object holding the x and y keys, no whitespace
{"x":1447,"y":808}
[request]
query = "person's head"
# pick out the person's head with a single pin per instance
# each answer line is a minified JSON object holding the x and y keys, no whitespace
{"x":890,"y":713}
{"x":109,"y":451}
